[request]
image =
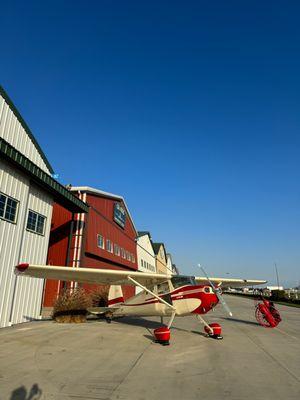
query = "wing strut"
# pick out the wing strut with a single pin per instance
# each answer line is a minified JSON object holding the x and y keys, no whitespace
{"x":153,"y":294}
{"x":204,"y":323}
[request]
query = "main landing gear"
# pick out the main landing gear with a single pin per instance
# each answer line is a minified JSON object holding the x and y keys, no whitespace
{"x":162,"y":334}
{"x":108,"y":317}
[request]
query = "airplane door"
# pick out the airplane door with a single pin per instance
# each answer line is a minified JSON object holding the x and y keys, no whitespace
{"x":167,"y":298}
{"x":163,"y":290}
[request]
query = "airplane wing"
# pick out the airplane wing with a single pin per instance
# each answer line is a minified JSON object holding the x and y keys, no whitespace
{"x":229,"y":282}
{"x":90,"y":275}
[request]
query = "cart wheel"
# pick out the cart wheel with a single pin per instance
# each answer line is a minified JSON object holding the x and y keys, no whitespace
{"x":261,"y":318}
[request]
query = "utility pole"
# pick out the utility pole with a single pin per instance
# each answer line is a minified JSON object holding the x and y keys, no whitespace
{"x":277,"y":275}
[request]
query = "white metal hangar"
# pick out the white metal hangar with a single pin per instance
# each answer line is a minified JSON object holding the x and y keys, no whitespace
{"x":27,"y":191}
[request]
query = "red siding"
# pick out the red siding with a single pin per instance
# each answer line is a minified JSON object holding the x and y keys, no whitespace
{"x":58,"y":246}
{"x":99,"y":220}
{"x":128,"y":291}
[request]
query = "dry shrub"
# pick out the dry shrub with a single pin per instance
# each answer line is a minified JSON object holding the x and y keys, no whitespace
{"x":99,"y":296}
{"x":71,"y":302}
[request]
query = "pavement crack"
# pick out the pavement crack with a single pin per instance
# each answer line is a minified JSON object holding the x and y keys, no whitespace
{"x":130,"y":370}
{"x":271,"y":356}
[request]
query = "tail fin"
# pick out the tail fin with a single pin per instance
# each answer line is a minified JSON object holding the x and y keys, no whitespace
{"x":115,"y":296}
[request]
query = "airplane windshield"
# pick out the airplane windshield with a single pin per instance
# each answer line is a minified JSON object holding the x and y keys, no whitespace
{"x":178,"y":281}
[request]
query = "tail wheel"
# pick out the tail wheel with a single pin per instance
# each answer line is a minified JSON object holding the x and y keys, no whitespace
{"x":261,"y":319}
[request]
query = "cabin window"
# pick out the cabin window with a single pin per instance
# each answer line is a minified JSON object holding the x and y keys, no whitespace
{"x":8,"y":208}
{"x":35,"y":222}
{"x":178,"y":281}
{"x":163,"y":287}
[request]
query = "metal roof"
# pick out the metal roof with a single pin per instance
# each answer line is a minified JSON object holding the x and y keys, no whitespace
{"x":88,"y":189}
{"x":157,"y":246}
{"x":25,"y":126}
{"x":143,"y":233}
{"x":60,"y":194}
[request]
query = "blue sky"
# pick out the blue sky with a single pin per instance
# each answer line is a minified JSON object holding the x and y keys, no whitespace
{"x":189,"y":110}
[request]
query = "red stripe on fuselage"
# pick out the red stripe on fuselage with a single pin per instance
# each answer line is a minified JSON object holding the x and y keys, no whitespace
{"x":186,"y":292}
{"x":115,"y":301}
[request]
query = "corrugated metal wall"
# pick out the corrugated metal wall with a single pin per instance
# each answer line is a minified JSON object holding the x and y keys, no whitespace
{"x":20,"y":298}
{"x":29,"y":292}
{"x":13,"y":132}
{"x":17,"y":186}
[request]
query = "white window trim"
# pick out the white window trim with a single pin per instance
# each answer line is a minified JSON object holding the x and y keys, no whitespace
{"x":116,"y":253}
{"x":111,"y":250}
{"x":103,"y":241}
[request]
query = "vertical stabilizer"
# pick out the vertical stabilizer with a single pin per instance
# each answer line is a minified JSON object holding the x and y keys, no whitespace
{"x":115,"y":296}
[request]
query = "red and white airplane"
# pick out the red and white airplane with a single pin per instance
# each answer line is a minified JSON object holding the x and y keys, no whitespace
{"x":162,"y":295}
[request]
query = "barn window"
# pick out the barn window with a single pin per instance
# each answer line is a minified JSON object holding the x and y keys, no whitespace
{"x":100,"y":241}
{"x":35,"y":222}
{"x":8,"y":208}
{"x":117,"y":249}
{"x":109,"y":246}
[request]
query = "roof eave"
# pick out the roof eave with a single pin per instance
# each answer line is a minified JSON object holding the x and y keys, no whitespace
{"x":60,"y":194}
{"x":97,"y":192}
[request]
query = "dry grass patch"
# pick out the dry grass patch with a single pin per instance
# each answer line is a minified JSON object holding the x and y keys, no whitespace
{"x":71,"y":306}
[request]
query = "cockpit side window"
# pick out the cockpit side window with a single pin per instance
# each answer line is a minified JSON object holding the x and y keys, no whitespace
{"x":163,"y":287}
{"x":178,"y":281}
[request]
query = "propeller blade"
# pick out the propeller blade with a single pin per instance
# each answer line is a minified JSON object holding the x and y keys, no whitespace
{"x":224,"y":304}
{"x":217,"y":292}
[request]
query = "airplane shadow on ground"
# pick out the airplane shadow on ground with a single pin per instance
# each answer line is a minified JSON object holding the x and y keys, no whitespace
{"x":138,"y":322}
{"x":152,"y":325}
{"x":20,"y":393}
{"x":242,"y":321}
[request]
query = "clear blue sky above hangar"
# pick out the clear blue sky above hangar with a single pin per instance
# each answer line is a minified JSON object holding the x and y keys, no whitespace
{"x":190,"y":110}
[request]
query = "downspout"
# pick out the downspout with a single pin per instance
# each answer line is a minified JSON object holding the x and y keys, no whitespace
{"x":69,"y":246}
{"x":76,"y":241}
{"x":80,"y":236}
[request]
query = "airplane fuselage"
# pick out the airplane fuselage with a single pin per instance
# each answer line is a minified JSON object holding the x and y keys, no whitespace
{"x":189,"y":299}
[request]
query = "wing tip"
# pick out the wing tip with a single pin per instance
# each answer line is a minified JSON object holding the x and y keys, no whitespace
{"x":21,"y":267}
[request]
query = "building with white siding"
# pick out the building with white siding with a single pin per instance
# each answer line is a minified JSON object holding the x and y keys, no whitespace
{"x":145,"y":253}
{"x":169,"y":264}
{"x":27,"y":191}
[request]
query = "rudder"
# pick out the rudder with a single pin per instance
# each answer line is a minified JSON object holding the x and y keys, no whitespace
{"x":115,"y":295}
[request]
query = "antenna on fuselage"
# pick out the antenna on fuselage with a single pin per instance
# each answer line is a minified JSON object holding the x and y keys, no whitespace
{"x":216,"y":290}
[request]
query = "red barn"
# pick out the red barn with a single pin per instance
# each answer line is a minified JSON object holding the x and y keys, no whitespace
{"x":105,"y":237}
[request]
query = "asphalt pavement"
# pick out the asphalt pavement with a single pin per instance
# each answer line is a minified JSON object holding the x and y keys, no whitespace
{"x":118,"y":361}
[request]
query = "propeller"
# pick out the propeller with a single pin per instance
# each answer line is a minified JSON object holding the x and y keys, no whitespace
{"x":217,"y":292}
